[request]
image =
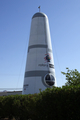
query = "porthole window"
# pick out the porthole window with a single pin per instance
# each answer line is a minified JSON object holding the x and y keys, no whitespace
{"x":49,"y":79}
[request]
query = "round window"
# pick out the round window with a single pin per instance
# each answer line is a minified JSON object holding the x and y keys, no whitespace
{"x":49,"y":80}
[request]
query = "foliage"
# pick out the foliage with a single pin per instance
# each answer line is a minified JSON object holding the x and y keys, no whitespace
{"x":54,"y":104}
{"x":72,"y":77}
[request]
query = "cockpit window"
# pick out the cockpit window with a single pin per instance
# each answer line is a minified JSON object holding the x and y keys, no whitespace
{"x":49,"y":80}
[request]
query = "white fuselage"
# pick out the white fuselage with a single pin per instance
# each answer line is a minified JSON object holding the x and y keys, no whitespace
{"x":39,"y":72}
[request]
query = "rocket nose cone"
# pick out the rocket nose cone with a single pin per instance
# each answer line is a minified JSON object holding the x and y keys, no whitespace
{"x":39,"y":14}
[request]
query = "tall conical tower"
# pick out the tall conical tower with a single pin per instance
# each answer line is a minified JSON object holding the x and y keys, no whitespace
{"x":39,"y":72}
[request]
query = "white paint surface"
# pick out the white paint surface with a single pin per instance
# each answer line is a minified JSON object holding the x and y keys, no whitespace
{"x":39,"y":35}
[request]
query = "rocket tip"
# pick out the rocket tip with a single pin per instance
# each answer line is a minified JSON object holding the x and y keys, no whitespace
{"x":39,"y":8}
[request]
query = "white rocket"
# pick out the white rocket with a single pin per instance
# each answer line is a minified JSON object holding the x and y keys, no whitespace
{"x":39,"y":72}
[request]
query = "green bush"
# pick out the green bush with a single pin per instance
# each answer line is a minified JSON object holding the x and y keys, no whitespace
{"x":51,"y":104}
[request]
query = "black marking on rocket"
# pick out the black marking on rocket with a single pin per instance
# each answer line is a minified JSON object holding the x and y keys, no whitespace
{"x":42,"y":74}
{"x":39,"y":46}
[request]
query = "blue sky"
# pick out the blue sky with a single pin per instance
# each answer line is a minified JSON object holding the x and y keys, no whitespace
{"x":15,"y":22}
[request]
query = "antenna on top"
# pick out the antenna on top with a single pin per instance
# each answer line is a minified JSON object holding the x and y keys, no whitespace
{"x":39,"y":8}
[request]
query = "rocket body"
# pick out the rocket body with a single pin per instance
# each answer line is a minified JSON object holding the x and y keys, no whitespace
{"x":39,"y":71}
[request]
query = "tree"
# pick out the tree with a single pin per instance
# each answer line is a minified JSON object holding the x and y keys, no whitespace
{"x":72,"y":77}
